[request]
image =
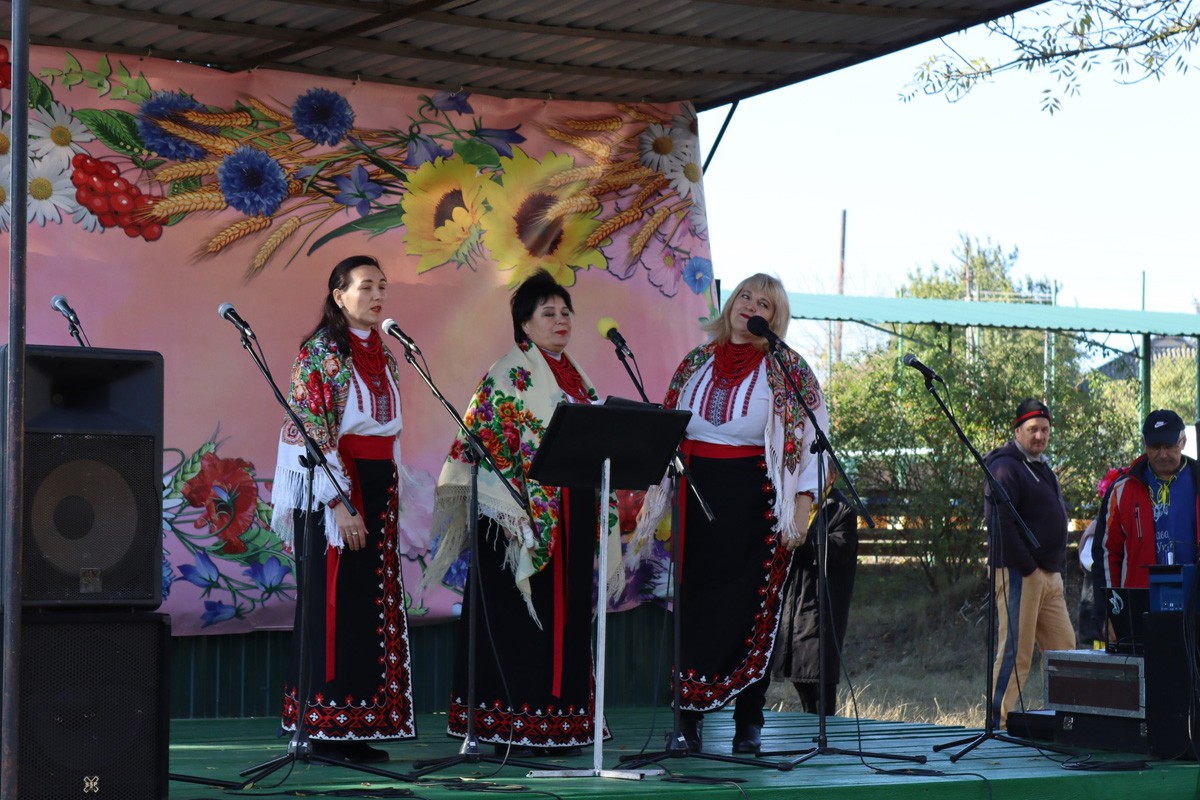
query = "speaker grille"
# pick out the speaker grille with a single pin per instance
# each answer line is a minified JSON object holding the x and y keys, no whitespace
{"x":94,"y":706}
{"x":93,"y":520}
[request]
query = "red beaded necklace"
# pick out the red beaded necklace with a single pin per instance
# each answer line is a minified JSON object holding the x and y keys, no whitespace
{"x":567,"y":377}
{"x":371,"y":362}
{"x":733,"y":362}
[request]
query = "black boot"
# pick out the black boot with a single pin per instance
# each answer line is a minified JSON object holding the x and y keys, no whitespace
{"x":691,"y":726}
{"x":747,"y":738}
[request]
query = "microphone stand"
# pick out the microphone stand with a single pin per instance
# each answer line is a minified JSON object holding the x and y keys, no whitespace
{"x":999,"y":498}
{"x":820,"y":447}
{"x":470,"y":752}
{"x":299,"y":746}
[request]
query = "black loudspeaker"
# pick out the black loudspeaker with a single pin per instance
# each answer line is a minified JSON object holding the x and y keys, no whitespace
{"x":94,"y":706}
{"x":1171,"y":708}
{"x":92,"y":485}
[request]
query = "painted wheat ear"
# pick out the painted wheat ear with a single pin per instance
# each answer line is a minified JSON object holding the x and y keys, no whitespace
{"x":621,"y":180}
{"x":612,"y":123}
{"x":650,"y":187}
{"x":641,"y":116}
{"x":588,"y":173}
{"x":599,"y":151}
{"x":203,"y":199}
{"x":268,"y":112}
{"x":213,"y":144}
{"x":187,"y":169}
{"x":577,"y":204}
{"x":273,"y":242}
{"x":614,"y":224}
{"x":642,"y":238}
{"x":228,"y":119}
{"x":238,"y":230}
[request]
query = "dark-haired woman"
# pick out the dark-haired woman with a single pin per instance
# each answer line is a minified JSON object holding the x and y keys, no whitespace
{"x":747,"y":446}
{"x":345,"y":390}
{"x":533,"y":671}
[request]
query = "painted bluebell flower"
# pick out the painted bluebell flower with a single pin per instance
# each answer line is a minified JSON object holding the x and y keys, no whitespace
{"x":500,"y":138}
{"x":168,"y":105}
{"x":168,"y":577}
{"x":203,"y":573}
{"x":252,"y":181}
{"x":452,"y":101}
{"x":268,"y":575}
{"x":456,"y":575}
{"x":422,"y":149}
{"x":697,"y":273}
{"x":215,"y":611}
{"x":357,"y":190}
{"x":322,"y":116}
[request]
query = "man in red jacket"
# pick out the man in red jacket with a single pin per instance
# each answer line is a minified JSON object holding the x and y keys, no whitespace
{"x":1152,"y":510}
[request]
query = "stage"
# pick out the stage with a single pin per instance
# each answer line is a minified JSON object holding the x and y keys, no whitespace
{"x":219,"y":749}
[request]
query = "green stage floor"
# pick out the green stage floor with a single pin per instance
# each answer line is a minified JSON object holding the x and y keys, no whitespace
{"x":219,"y":749}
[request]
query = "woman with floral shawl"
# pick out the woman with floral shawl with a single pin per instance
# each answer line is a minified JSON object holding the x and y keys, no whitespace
{"x":345,"y":391}
{"x":747,"y":446}
{"x":533,"y":676}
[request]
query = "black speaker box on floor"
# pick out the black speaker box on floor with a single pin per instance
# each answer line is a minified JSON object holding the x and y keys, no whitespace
{"x":94,"y":706}
{"x":1171,"y":710}
{"x":92,"y":484}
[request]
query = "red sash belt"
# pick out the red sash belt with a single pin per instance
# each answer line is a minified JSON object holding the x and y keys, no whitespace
{"x":350,"y":448}
{"x":691,"y":447}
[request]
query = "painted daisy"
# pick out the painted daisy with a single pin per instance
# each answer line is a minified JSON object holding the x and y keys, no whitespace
{"x":55,"y":133}
{"x":50,"y":192}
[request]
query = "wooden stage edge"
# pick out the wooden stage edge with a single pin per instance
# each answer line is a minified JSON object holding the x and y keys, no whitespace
{"x":218,"y":749}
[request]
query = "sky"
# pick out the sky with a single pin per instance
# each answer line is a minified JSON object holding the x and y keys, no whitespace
{"x":1091,"y":196}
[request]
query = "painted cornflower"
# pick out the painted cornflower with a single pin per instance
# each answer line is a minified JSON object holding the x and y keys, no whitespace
{"x":322,"y":116}
{"x":697,"y":274}
{"x":357,"y":190}
{"x":168,"y":105}
{"x":252,"y":181}
{"x":452,"y":101}
{"x":55,"y":133}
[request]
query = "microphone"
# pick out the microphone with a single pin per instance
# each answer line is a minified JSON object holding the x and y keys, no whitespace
{"x":912,"y":361}
{"x":227,"y":311}
{"x":608,"y":329}
{"x":59,"y":303}
{"x":392,"y":329}
{"x":759,"y":327}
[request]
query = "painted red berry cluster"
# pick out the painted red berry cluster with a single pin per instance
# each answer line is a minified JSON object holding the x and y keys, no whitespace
{"x":116,"y":202}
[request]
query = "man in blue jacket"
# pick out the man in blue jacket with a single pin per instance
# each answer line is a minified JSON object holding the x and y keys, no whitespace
{"x":1028,"y":583}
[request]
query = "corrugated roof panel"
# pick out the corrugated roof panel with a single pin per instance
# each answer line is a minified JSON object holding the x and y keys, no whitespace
{"x":631,"y":52}
{"x":918,"y":311}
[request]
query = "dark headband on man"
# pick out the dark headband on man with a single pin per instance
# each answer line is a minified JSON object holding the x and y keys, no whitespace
{"x":1030,"y":408}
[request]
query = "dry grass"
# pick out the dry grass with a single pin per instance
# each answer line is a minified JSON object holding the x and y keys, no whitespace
{"x":913,"y":656}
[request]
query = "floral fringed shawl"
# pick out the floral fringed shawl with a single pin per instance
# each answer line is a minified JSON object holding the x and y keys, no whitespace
{"x":320,"y":388}
{"x":787,"y":439}
{"x":509,"y":412}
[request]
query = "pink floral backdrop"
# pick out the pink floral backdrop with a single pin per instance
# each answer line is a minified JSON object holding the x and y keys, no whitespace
{"x":158,"y":191}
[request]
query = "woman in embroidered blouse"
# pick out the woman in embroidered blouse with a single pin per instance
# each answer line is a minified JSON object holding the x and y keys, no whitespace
{"x":344,"y":389}
{"x":747,"y":447}
{"x":533,"y":671}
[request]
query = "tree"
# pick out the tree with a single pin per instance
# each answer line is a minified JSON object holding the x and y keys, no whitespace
{"x":905,"y":457}
{"x":1140,"y":38}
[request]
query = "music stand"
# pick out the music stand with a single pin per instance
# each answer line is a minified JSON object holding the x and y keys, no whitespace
{"x":606,"y":447}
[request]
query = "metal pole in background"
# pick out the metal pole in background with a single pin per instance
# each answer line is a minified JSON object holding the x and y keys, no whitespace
{"x":14,"y":412}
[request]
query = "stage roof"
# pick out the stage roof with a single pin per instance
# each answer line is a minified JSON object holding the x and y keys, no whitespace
{"x":907,"y":310}
{"x":711,"y":52}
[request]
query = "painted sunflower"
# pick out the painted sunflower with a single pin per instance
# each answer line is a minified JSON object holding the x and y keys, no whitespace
{"x":442,"y":210}
{"x":517,"y":231}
